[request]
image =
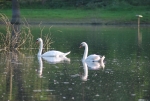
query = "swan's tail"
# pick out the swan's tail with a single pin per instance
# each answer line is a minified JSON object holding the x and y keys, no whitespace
{"x":102,"y":58}
{"x":67,"y":53}
{"x":102,"y":61}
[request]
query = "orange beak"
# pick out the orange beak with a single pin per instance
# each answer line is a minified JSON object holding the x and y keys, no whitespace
{"x":80,"y":47}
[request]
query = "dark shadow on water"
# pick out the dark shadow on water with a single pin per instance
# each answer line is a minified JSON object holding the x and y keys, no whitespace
{"x":14,"y":75}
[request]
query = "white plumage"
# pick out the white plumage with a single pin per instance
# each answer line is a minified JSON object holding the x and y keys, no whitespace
{"x":52,"y":53}
{"x":93,"y":57}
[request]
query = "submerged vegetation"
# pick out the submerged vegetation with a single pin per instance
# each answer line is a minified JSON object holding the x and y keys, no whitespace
{"x":26,"y":39}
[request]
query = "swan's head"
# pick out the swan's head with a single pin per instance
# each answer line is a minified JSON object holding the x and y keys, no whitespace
{"x":83,"y":44}
{"x":38,"y":40}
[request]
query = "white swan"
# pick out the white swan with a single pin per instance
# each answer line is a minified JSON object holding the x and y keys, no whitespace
{"x":55,"y":60}
{"x":96,"y":65}
{"x":52,"y":53}
{"x":93,"y":57}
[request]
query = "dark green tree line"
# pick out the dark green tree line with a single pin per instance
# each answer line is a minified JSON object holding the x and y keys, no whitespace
{"x":75,"y":3}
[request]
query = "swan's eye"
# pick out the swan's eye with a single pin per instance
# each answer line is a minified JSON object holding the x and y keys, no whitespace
{"x":37,"y":40}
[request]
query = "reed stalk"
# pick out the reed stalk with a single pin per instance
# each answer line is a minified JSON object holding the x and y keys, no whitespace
{"x":47,"y":37}
{"x":26,"y":39}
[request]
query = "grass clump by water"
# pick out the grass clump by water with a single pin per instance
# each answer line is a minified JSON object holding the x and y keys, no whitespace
{"x":25,"y":40}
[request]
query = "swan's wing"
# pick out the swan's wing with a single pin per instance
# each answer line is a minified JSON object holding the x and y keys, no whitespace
{"x":93,"y":57}
{"x":54,"y":53}
{"x":54,"y":60}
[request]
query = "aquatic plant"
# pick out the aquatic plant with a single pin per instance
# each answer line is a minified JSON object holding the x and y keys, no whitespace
{"x":25,"y":40}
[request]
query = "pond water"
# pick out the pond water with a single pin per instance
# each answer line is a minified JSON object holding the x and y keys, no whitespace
{"x":124,"y":76}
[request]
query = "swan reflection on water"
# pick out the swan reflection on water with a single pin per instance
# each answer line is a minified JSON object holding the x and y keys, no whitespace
{"x":91,"y":66}
{"x":96,"y":65}
{"x":85,"y":75}
{"x":51,"y":60}
{"x":40,"y":66}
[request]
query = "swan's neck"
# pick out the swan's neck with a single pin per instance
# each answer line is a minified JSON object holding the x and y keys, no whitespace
{"x":40,"y":48}
{"x":85,"y":52}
